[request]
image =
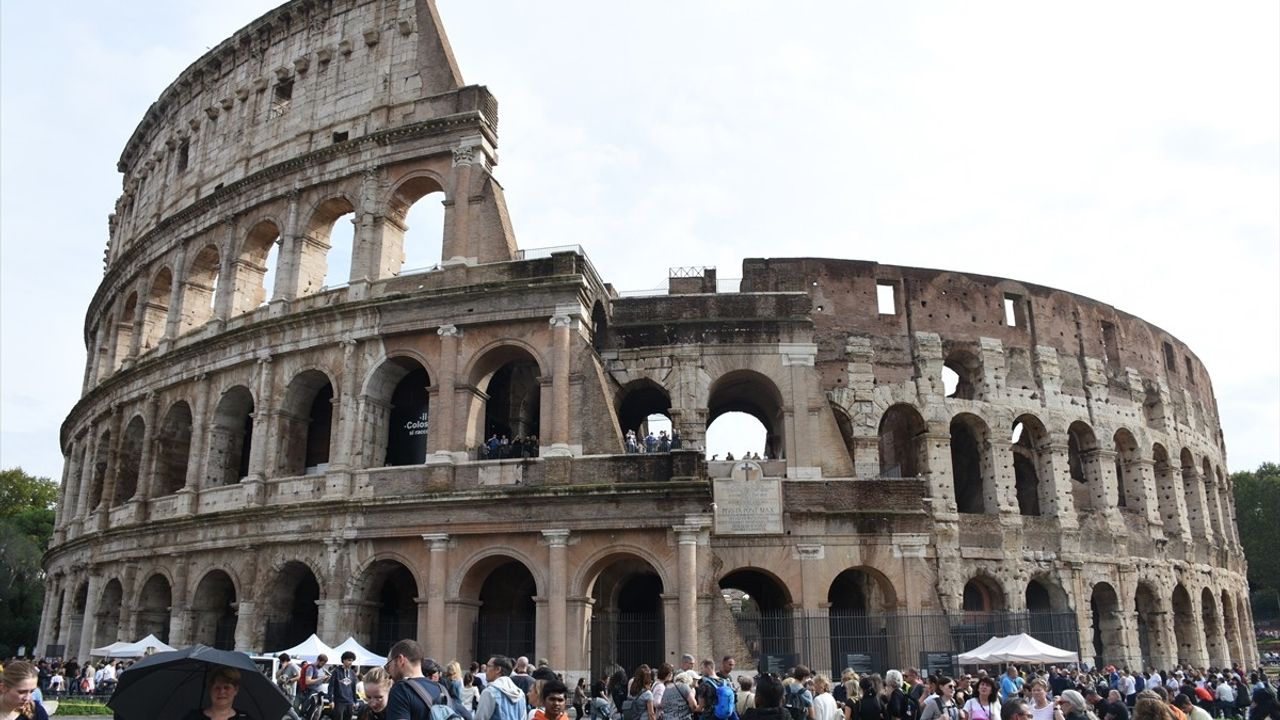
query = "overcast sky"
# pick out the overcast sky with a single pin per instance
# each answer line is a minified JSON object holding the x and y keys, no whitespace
{"x":1129,"y":152}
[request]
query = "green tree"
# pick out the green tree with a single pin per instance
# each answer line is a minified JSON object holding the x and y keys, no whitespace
{"x":26,"y":525}
{"x":1257,"y":496}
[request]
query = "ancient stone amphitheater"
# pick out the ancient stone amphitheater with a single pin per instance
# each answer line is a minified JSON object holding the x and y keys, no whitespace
{"x":948,"y":455}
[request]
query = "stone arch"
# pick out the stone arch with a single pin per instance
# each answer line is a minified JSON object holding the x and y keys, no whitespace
{"x":1128,"y":475}
{"x":313,"y":259}
{"x":130,"y":459}
{"x":230,"y":438}
{"x":1193,"y":495}
{"x":155,"y":602}
{"x":1048,"y":606}
{"x":1044,"y":594}
{"x":1087,"y":492}
{"x":173,"y":449}
{"x":200,"y":288}
{"x":155,"y":314}
{"x":213,"y":610}
{"x":861,"y":601}
{"x":389,"y":602}
{"x":398,"y":408}
{"x":306,"y":421}
{"x":639,"y":399}
{"x":107,"y":623}
{"x":507,"y":376}
{"x":1033,"y":477}
{"x":409,"y":199}
{"x":253,"y":263}
{"x":504,"y":590}
{"x":966,"y":371}
{"x":98,"y":473}
{"x":1213,"y":628}
{"x":972,"y":467}
{"x":290,"y":604}
{"x":983,"y":594}
{"x":600,"y":338}
{"x":1108,"y":625}
{"x":755,"y":394}
{"x":760,"y":604}
{"x":844,"y":423}
{"x":1149,"y":615}
{"x":627,"y":618}
{"x":124,"y":330}
{"x":1185,"y":626}
{"x":79,"y":604}
{"x":902,"y":450}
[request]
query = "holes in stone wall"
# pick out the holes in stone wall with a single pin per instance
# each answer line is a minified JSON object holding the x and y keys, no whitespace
{"x":886,"y":299}
{"x":1170,"y":360}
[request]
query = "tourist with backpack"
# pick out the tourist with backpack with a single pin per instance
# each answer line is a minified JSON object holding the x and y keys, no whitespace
{"x":678,"y":699}
{"x":639,"y":702}
{"x":600,"y":707}
{"x":414,"y":696}
{"x":943,"y":705}
{"x":798,"y":698}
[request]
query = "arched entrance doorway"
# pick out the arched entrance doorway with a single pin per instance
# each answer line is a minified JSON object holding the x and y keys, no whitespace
{"x":391,"y":604}
{"x":861,"y":600}
{"x":107,"y":627}
{"x":509,"y":404}
{"x":154,"y":603}
{"x":1184,"y":626}
{"x":213,"y":611}
{"x":749,"y":392}
{"x":627,"y":627}
{"x":1152,"y":643}
{"x":506,"y":622}
{"x":760,"y":605}
{"x":292,"y":606}
{"x":1108,"y":639}
{"x":900,"y":443}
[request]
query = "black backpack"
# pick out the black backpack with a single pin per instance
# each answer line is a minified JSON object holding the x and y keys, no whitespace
{"x":795,"y":701}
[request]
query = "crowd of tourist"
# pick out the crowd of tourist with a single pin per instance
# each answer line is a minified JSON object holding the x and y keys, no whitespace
{"x":500,"y":447}
{"x":651,"y":443}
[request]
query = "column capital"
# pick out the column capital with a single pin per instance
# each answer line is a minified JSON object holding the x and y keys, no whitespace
{"x":557,"y":537}
{"x":558,"y":321}
{"x":449,"y":331}
{"x":439,"y":542}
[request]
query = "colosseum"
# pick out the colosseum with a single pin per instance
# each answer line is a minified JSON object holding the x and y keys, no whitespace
{"x":258,"y":455}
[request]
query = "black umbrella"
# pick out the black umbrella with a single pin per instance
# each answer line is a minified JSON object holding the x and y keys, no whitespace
{"x":168,"y":685}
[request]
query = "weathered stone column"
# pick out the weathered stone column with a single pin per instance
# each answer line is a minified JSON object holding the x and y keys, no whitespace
{"x":561,"y":326}
{"x":86,"y":476}
{"x":180,"y":610}
{"x":424,"y":618}
{"x":557,"y":594}
{"x":128,"y":619}
{"x":330,"y":624}
{"x":225,"y":293}
{"x":263,"y":439}
{"x":288,"y":261}
{"x":48,"y":615}
{"x":70,"y":584}
{"x":938,"y":473}
{"x":197,"y":457}
{"x":90,"y":614}
{"x":146,"y":473}
{"x":438,"y":574}
{"x":687,"y":583}
{"x":1061,"y":505}
{"x":457,"y":240}
{"x":1144,"y":470}
{"x":113,"y":468}
{"x":440,"y":436}
{"x":347,"y":414}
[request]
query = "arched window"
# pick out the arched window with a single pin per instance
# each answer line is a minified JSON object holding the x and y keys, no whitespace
{"x":962,"y":375}
{"x":644,"y":406}
{"x":130,"y":461}
{"x":400,"y":413}
{"x":510,"y":407}
{"x":1032,"y":478}
{"x":173,"y":449}
{"x":971,"y":467}
{"x":901,"y":445}
{"x":306,"y":424}
{"x":124,"y":330}
{"x":255,"y":266}
{"x":755,"y":395}
{"x":413,"y":236}
{"x":199,"y":290}
{"x":230,"y":438}
{"x":155,"y":315}
{"x":1128,"y":479}
{"x":325,"y":258}
{"x":1082,"y":461}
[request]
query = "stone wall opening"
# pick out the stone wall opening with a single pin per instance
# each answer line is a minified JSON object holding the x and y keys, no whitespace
{"x":1108,"y":634}
{"x":213,"y":612}
{"x":901,"y":444}
{"x":408,"y":419}
{"x":173,"y":449}
{"x":760,"y":605}
{"x":154,"y":606}
{"x":627,"y":624}
{"x":1167,"y":486}
{"x":1032,"y":478}
{"x":962,"y":375}
{"x":325,"y":259}
{"x":124,"y":331}
{"x":509,"y":403}
{"x":291,"y":606}
{"x":306,"y":425}
{"x":860,"y":601}
{"x":982,"y":595}
{"x":391,"y":604}
{"x":1184,"y":626}
{"x":506,"y":621}
{"x":749,"y":392}
{"x":971,"y":468}
{"x":637,"y":402}
{"x":255,"y":268}
{"x":1128,"y":475}
{"x":155,"y":314}
{"x":1087,"y":492}
{"x":230,"y":438}
{"x":98,"y":473}
{"x":200,"y":288}
{"x":413,"y":235}
{"x":1149,"y":620}
{"x":130,"y":459}
{"x":107,"y":622}
{"x":1213,"y":629}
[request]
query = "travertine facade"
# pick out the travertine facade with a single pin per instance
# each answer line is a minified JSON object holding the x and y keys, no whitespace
{"x":250,"y":463}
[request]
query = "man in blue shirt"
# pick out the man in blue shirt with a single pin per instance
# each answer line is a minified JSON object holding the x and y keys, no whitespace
{"x":404,"y":664}
{"x":1010,"y":684}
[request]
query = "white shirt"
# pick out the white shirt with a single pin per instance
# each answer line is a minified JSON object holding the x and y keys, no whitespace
{"x":824,"y":708}
{"x":1226,"y":693}
{"x":1155,"y":680}
{"x":1130,"y":685}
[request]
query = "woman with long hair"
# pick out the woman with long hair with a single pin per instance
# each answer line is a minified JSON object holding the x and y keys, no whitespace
{"x":17,"y":688}
{"x":639,"y":692}
{"x":985,"y":703}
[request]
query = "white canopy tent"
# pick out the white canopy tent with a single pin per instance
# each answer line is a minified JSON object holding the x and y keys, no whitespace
{"x":364,"y":656}
{"x":1017,"y":648}
{"x":309,"y":650}
{"x":132,"y":649}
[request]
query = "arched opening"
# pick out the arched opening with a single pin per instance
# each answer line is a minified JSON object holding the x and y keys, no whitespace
{"x":1049,"y":614}
{"x":639,"y":401}
{"x":1087,"y":492}
{"x":130,"y":461}
{"x":391,"y":602}
{"x":75,"y":625}
{"x":1108,"y":629}
{"x":173,"y":449}
{"x":1193,"y":495}
{"x":844,"y":424}
{"x":505,"y":419}
{"x":292,"y":606}
{"x":599,"y":327}
{"x":107,"y":625}
{"x":1184,"y":626}
{"x":306,"y":425}
{"x":971,"y":469}
{"x":749,"y":392}
{"x":326,"y":255}
{"x":200,"y":288}
{"x":1170,"y":493}
{"x":213,"y":612}
{"x":413,"y":237}
{"x":983,"y":605}
{"x":982,"y":594}
{"x":155,"y":314}
{"x":1030,"y":445}
{"x":962,"y":375}
{"x":399,"y":412}
{"x":124,"y":330}
{"x":1213,"y":494}
{"x":257,"y":260}
{"x":230,"y":438}
{"x":154,"y":605}
{"x":1128,"y":478}
{"x":1231,"y":629}
{"x":98,"y":473}
{"x":901,"y":442}
{"x":506,"y":620}
{"x":861,"y":600}
{"x":736,"y":436}
{"x":1151,"y":641}
{"x":760,"y":605}
{"x":626,"y":616}
{"x":1212,"y":624}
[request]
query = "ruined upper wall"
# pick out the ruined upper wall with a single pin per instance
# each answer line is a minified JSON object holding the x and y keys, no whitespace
{"x":307,"y":75}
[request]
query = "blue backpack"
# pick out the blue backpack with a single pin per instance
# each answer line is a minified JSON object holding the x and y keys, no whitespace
{"x":726,"y":702}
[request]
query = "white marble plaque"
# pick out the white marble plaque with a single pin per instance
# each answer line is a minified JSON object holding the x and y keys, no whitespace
{"x":748,"y":507}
